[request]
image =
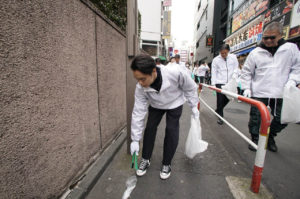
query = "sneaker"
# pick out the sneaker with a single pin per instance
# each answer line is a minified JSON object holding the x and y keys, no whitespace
{"x":144,"y":164}
{"x":165,"y":172}
{"x":255,"y":140}
{"x":220,"y":122}
{"x":272,"y":145}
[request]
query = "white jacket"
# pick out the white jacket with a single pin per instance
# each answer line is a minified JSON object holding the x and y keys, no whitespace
{"x":266,"y":75}
{"x":222,"y":71}
{"x":177,"y":85}
{"x":202,"y":70}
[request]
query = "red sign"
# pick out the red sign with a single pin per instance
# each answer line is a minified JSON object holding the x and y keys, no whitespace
{"x":209,"y":41}
{"x":167,"y":3}
{"x":176,"y":52}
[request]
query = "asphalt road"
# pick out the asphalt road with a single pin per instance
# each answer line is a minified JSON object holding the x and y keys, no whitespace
{"x":204,"y":176}
{"x":281,"y":171}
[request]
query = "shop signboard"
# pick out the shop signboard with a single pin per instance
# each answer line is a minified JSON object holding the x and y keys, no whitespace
{"x":278,"y":11}
{"x":246,"y":38}
{"x":209,"y":41}
{"x":247,"y":12}
{"x":295,"y":20}
{"x":167,"y":3}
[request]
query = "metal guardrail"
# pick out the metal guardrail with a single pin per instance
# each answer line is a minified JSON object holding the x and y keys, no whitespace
{"x":263,"y":135}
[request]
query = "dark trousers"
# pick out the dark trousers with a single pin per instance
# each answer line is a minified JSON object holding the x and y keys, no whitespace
{"x":201,"y":79}
{"x":171,"y":133}
{"x":196,"y":79}
{"x":240,"y":91}
{"x":222,"y":101}
{"x":255,"y":119}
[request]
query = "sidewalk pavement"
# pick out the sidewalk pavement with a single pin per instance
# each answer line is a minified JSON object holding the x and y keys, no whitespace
{"x":215,"y":173}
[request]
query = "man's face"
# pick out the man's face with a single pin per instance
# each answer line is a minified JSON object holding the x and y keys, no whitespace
{"x":224,"y":53}
{"x":145,"y":80}
{"x":177,"y":60}
{"x":271,"y":38}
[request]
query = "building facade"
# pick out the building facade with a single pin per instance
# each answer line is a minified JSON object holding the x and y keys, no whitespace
{"x":155,"y":27}
{"x":203,"y":27}
{"x":246,"y":20}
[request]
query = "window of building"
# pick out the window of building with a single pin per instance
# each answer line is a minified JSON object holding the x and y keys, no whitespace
{"x":206,"y":15}
{"x":198,"y":25}
{"x":197,"y":44}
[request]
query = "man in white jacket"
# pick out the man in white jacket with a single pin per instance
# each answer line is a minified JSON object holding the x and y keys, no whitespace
{"x":223,"y":69}
{"x":202,"y":71}
{"x":159,"y":91}
{"x":267,"y":70}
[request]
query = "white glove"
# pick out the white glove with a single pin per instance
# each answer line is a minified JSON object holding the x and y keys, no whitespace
{"x":290,"y":83}
{"x":195,"y":113}
{"x":247,"y":93}
{"x":134,"y":147}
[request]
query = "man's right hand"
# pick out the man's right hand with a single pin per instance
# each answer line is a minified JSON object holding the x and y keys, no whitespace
{"x":134,"y":147}
{"x":247,"y":93}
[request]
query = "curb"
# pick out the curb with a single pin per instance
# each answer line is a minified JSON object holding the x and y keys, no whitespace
{"x":92,"y":175}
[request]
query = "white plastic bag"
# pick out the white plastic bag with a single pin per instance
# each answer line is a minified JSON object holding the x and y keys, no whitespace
{"x":231,"y":86}
{"x":290,"y":112}
{"x":194,"y":143}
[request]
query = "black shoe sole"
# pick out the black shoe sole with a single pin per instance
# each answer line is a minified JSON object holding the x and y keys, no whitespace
{"x":272,"y":149}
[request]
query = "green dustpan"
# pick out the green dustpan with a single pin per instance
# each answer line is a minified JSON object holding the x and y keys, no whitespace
{"x":134,"y":162}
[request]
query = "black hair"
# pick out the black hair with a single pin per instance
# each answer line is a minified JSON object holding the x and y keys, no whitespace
{"x":177,"y":56}
{"x":225,"y":47}
{"x":172,"y":58}
{"x":143,"y":63}
{"x":157,"y":60}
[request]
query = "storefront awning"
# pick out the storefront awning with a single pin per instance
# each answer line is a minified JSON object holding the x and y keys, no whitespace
{"x":244,"y":51}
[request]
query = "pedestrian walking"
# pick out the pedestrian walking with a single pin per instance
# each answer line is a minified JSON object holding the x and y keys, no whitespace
{"x":159,"y":91}
{"x":202,"y":71}
{"x":223,"y":69}
{"x":158,"y":62}
{"x":238,"y":79}
{"x":196,"y":73}
{"x":270,"y":67}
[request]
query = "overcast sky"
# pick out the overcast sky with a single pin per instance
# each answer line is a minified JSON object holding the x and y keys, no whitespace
{"x":182,"y":21}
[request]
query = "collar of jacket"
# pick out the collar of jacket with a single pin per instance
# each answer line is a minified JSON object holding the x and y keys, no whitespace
{"x":158,"y":81}
{"x":272,"y":50}
{"x":165,"y":84}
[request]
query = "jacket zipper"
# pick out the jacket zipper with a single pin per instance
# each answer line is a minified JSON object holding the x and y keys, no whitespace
{"x":227,"y":70}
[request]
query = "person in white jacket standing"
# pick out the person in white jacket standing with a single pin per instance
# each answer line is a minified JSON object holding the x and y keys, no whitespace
{"x":270,"y":67}
{"x":223,"y":69}
{"x":159,"y":91}
{"x":202,"y":71}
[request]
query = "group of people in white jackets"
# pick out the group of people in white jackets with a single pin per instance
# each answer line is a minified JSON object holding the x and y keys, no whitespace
{"x":200,"y":72}
{"x":270,"y":67}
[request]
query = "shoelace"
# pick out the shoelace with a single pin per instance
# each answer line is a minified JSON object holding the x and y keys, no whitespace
{"x":165,"y":169}
{"x":143,"y":164}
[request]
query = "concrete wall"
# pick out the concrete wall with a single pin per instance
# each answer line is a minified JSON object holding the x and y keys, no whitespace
{"x":62,"y":93}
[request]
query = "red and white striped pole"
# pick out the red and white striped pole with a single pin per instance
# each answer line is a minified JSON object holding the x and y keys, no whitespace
{"x":263,"y":136}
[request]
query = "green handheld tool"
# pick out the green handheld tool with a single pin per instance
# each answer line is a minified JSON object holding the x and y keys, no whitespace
{"x":134,"y":162}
